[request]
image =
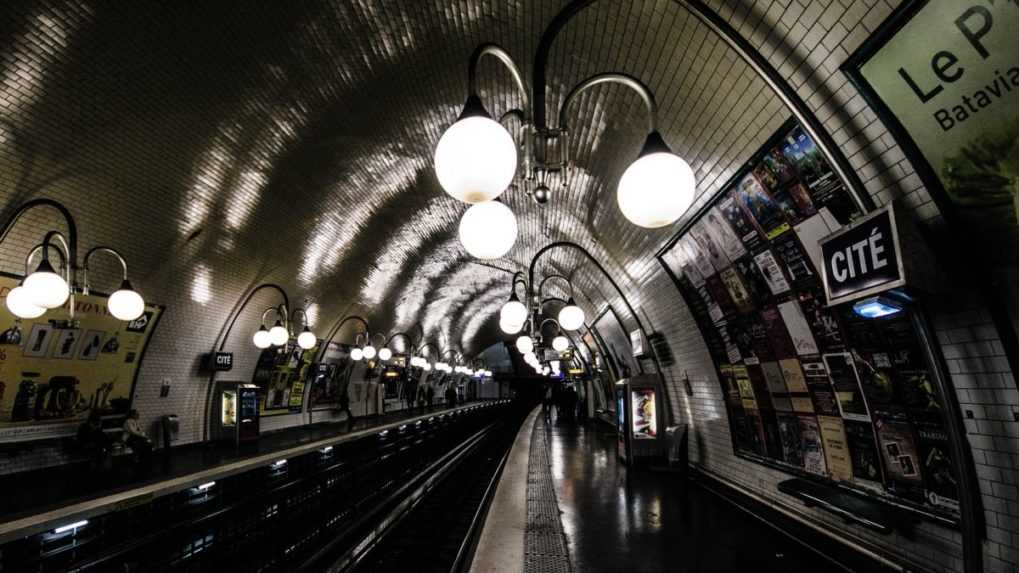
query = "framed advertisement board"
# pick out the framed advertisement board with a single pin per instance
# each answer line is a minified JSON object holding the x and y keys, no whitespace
{"x":54,"y":370}
{"x":943,"y":77}
{"x":811,"y":389}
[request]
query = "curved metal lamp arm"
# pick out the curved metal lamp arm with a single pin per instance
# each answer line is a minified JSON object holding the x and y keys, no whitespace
{"x":515,"y":112}
{"x":613,"y":78}
{"x":336,"y":328}
{"x":504,"y":57}
{"x":426,"y":345}
{"x":371,"y":337}
{"x":88,"y":256}
{"x":281,"y":315}
{"x":72,"y":227}
{"x":553,"y":321}
{"x":541,"y":285}
{"x":410,"y":341}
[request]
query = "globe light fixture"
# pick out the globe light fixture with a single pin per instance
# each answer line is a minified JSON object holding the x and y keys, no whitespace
{"x":261,"y":338}
{"x":19,"y":302}
{"x":488,"y":230}
{"x":476,"y":157}
{"x":426,"y":367}
{"x":278,"y":334}
{"x":369,"y":351}
{"x":46,"y":288}
{"x":514,"y":311}
{"x":525,"y":344}
{"x":560,"y":343}
{"x":510,"y":327}
{"x":657,"y":188}
{"x":571,"y":316}
{"x":530,"y":356}
{"x":306,"y":339}
{"x":356,"y":354}
{"x":385,"y":354}
{"x":125,"y":303}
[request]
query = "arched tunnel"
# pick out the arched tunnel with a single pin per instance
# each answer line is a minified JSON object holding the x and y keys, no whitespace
{"x":545,"y":285}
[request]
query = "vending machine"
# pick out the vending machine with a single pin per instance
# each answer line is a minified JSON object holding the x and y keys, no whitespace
{"x":235,"y":417}
{"x":640,"y":421}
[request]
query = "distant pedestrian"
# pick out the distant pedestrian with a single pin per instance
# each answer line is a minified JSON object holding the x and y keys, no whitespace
{"x":450,"y":396}
{"x":430,"y":394}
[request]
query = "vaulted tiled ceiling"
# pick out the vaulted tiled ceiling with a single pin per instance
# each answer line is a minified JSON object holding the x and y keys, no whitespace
{"x":291,"y":141}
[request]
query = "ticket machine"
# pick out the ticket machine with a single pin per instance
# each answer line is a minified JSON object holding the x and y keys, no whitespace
{"x":640,"y":420}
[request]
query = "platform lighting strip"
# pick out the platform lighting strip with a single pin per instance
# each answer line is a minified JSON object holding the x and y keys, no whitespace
{"x":71,"y":526}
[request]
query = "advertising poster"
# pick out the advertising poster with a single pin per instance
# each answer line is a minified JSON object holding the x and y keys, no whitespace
{"x":771,"y":273}
{"x":723,"y":235}
{"x":863,"y":453}
{"x":331,"y":378}
{"x":280,"y":375}
{"x":960,"y":128}
{"x":53,"y":372}
{"x":645,"y":421}
{"x":901,"y":457}
{"x":844,"y":378}
{"x":783,"y":355}
{"x":715,"y":254}
{"x":799,"y":331}
{"x":819,"y":385}
{"x":759,"y":206}
{"x":792,"y":442}
{"x":942,"y":489}
{"x":836,"y":448}
{"x":740,"y":224}
{"x":812,"y":449}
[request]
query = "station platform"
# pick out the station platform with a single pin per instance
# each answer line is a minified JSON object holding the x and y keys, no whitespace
{"x":47,"y":496}
{"x":566,"y":502}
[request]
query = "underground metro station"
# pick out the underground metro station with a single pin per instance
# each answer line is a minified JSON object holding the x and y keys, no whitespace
{"x":487,"y":286}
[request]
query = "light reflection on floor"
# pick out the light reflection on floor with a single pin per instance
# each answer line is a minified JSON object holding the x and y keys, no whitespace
{"x":617,"y":519}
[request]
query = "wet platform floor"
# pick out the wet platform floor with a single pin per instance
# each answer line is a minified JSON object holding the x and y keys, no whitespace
{"x":644,"y":521}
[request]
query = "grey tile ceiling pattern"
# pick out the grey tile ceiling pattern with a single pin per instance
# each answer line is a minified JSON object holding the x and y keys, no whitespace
{"x":244,"y":142}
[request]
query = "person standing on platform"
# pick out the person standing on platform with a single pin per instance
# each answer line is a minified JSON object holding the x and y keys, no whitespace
{"x":136,"y":439}
{"x":450,"y":396}
{"x":430,"y":394}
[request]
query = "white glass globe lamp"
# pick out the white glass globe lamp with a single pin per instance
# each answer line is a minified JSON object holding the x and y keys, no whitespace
{"x":306,"y":339}
{"x":125,"y":303}
{"x":560,"y":343}
{"x":278,"y":334}
{"x":356,"y":354}
{"x":657,"y":188}
{"x":19,"y":302}
{"x":45,"y":287}
{"x":488,"y":230}
{"x":385,"y":354}
{"x":369,"y":352}
{"x":525,"y":344}
{"x":261,"y":338}
{"x":571,"y":317}
{"x":476,"y":158}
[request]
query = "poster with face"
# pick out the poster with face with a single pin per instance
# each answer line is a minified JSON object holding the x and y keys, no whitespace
{"x":901,"y":458}
{"x":722,"y":234}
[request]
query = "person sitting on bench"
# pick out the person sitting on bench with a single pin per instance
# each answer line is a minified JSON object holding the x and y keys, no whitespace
{"x":135,"y":438}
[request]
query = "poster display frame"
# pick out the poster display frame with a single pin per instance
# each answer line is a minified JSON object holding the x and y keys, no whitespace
{"x":932,"y":356}
{"x":852,"y":68}
{"x":70,"y":431}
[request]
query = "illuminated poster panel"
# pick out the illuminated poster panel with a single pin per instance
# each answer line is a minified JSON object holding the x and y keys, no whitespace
{"x":54,"y":371}
{"x":644,"y":416}
{"x":814,"y":390}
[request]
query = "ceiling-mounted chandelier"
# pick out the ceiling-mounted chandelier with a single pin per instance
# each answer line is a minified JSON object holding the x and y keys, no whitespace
{"x":476,"y":159}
